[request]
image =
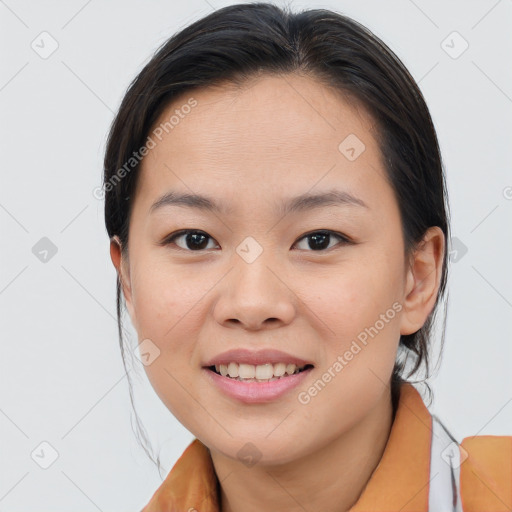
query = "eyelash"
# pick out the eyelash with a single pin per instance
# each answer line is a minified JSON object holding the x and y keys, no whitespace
{"x":169,"y":240}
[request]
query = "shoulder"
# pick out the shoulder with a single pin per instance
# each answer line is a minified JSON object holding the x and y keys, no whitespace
{"x":190,"y":485}
{"x":486,"y":473}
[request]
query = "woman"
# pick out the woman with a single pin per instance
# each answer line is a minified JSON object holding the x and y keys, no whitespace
{"x":276,"y":204}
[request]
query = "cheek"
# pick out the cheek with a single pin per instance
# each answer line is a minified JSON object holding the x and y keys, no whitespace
{"x":354,"y":293}
{"x":167,"y":307}
{"x":167,"y":312}
{"x":163,"y":297}
{"x":358,"y":312}
{"x":360,"y":346}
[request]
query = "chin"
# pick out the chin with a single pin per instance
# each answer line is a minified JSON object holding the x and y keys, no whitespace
{"x":259,"y":449}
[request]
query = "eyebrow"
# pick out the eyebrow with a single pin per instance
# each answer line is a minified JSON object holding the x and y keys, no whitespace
{"x":296,"y":204}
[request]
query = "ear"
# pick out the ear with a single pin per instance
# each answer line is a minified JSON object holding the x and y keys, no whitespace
{"x":123,"y":272}
{"x":423,"y":280}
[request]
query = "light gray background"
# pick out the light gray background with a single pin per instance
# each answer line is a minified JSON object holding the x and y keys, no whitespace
{"x":62,"y":380}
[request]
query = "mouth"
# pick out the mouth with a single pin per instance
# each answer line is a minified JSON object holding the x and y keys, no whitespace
{"x":267,"y":372}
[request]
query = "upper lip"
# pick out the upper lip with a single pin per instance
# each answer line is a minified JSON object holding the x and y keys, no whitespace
{"x":257,"y":357}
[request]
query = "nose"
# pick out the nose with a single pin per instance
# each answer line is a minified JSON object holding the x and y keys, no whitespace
{"x":255,"y":296}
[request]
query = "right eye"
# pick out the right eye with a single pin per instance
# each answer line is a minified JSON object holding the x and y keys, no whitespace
{"x":194,"y":240}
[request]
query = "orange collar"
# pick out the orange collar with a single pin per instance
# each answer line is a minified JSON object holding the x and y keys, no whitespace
{"x":399,"y":482}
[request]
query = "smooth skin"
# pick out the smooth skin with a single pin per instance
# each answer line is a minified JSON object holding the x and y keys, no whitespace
{"x":251,"y":149}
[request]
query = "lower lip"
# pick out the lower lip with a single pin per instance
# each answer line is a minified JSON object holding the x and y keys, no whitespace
{"x":256,"y":392}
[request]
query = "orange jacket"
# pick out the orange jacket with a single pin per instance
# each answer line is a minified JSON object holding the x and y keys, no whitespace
{"x":423,"y":469}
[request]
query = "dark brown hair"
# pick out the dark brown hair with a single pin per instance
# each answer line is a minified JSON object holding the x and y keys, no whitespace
{"x":239,"y":42}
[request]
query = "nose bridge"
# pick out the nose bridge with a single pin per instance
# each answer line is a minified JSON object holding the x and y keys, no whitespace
{"x":252,"y":275}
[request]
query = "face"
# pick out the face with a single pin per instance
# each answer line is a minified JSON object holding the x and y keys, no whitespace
{"x":322,"y":280}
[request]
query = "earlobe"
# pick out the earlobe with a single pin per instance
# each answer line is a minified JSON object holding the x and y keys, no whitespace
{"x":423,"y":281}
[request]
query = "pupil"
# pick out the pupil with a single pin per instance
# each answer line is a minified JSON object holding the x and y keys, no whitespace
{"x":320,"y":237}
{"x":195,"y":237}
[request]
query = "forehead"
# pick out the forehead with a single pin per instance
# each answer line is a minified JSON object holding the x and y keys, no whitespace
{"x":273,"y":134}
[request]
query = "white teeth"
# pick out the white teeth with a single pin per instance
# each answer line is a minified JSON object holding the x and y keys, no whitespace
{"x":264,"y":371}
{"x":290,"y":368}
{"x":246,"y":371}
{"x":233,"y":370}
{"x":261,"y":372}
{"x":279,"y":369}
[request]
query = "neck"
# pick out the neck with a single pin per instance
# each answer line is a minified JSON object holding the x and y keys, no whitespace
{"x":330,"y":479}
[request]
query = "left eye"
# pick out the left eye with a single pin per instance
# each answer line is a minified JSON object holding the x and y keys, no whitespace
{"x":319,"y":240}
{"x":197,"y":240}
